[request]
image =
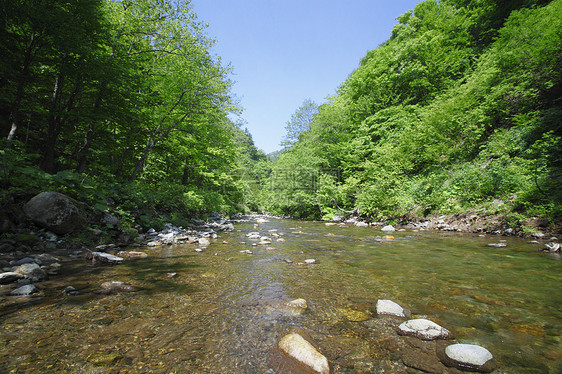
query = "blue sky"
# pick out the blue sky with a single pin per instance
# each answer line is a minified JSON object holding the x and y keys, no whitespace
{"x":285,"y":51}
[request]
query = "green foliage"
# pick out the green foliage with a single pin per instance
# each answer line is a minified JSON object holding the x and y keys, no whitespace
{"x":122,"y":106}
{"x":442,"y":118}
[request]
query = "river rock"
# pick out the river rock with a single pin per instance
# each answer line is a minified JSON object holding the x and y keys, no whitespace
{"x":354,"y":315}
{"x":496,"y":245}
{"x":132,"y":254}
{"x":389,"y":307}
{"x":9,"y":277}
{"x":26,"y":290}
{"x":310,"y":261}
{"x":46,"y":259}
{"x":361,"y":224}
{"x":423,"y":329}
{"x":32,"y":271}
{"x":69,"y":290}
{"x":297,"y":306}
{"x":111,"y":286}
{"x":297,"y":348}
{"x":26,"y":260}
{"x":55,"y":212}
{"x":253,"y":235}
{"x":388,"y":228}
{"x":6,"y":247}
{"x":552,"y":247}
{"x":204,"y":242}
{"x":104,"y":257}
{"x":469,"y":357}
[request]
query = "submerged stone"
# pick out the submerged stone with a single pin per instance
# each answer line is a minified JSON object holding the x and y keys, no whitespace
{"x":297,"y":306}
{"x":354,"y":315}
{"x":297,"y":348}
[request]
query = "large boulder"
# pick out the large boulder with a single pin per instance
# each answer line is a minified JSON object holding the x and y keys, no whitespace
{"x":55,"y":212}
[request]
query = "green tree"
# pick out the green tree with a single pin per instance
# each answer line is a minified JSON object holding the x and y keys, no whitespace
{"x":300,"y":122}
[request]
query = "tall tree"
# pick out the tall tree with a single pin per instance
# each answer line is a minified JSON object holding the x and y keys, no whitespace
{"x":300,"y":122}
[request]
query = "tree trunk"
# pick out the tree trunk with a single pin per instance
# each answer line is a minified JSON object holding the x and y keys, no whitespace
{"x":15,"y":111}
{"x":85,"y":150}
{"x":53,"y":131}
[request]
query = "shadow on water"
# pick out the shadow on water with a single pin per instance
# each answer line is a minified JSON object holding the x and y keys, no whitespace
{"x":149,"y":276}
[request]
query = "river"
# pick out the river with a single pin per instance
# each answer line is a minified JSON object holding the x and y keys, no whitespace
{"x":223,"y":311}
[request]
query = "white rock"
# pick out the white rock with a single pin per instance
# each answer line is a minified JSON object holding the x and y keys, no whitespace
{"x":468,"y":355}
{"x":388,"y":228}
{"x":105,"y":257}
{"x":9,"y":277}
{"x":390,"y":307}
{"x":362,"y":224}
{"x":310,"y":261}
{"x":204,"y":242}
{"x":423,"y":329}
{"x":496,"y":245}
{"x":262,"y":220}
{"x":198,"y":250}
{"x":296,"y":347}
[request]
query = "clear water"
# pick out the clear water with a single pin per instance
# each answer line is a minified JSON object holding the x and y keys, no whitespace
{"x":223,"y":312}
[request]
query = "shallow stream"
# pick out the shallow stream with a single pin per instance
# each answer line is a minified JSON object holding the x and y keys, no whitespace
{"x":224,"y":310}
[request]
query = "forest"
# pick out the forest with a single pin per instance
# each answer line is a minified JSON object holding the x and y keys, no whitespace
{"x":458,"y":111}
{"x":123,"y":106}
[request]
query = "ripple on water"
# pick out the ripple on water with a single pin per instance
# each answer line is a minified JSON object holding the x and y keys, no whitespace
{"x":218,"y":316}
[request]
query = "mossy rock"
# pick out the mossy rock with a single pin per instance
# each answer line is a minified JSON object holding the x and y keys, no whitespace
{"x":354,"y":315}
{"x":103,"y":359}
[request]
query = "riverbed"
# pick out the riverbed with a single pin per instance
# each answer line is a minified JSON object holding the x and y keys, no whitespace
{"x":222,"y":310}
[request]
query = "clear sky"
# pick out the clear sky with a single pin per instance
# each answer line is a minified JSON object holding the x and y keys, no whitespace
{"x":285,"y":51}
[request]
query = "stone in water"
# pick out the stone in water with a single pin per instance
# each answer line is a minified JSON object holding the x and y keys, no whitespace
{"x":296,"y":347}
{"x":423,"y":329}
{"x":389,"y":307}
